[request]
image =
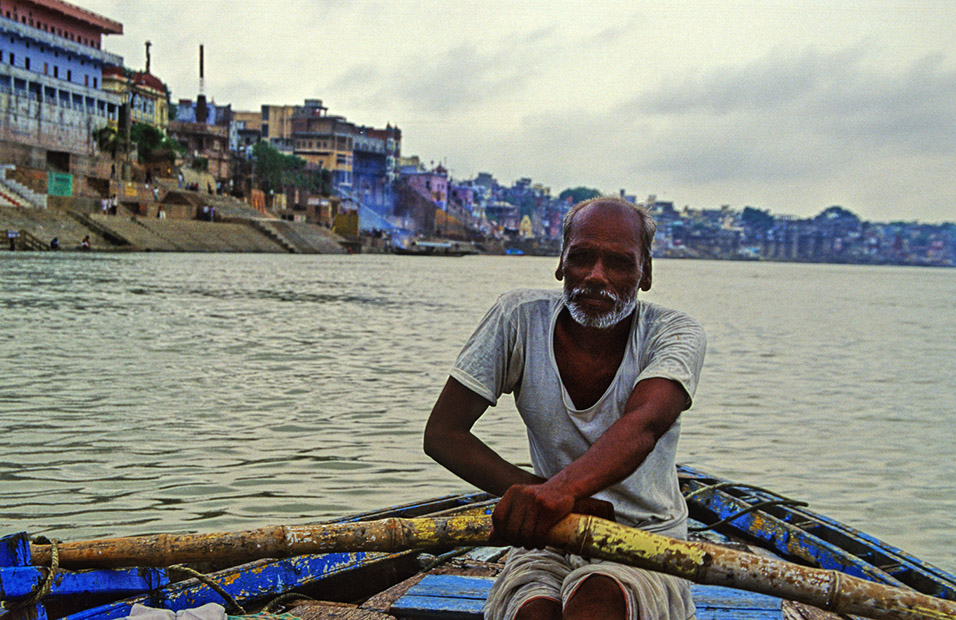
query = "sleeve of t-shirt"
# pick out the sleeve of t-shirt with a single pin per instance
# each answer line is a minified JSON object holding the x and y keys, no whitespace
{"x":489,"y":363}
{"x":675,"y":351}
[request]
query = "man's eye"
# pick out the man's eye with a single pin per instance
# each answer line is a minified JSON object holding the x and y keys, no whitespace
{"x":620,"y":263}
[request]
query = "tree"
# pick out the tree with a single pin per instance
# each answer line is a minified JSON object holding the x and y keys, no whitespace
{"x":146,"y":138}
{"x":154,"y":145}
{"x":758,"y":219}
{"x":107,"y":139}
{"x":276,"y":171}
{"x":577,"y":194}
{"x":837,"y":214}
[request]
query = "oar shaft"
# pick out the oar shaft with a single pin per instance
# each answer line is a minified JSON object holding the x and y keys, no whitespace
{"x":715,"y":565}
{"x":270,"y":542}
{"x":584,"y":535}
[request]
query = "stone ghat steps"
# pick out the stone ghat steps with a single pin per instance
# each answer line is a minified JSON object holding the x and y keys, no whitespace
{"x":195,"y":236}
{"x":304,"y":238}
{"x":138,"y":233}
{"x":45,"y":224}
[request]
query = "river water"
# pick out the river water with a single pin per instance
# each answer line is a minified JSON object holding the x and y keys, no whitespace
{"x":198,"y":392}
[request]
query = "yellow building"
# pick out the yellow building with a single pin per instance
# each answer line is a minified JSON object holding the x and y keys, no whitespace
{"x":145,"y":95}
{"x":276,"y":125}
{"x":324,"y":141}
{"x":251,"y":120}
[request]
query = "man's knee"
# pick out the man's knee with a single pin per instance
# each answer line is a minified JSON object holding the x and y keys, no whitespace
{"x":540,"y":609}
{"x":598,"y":596}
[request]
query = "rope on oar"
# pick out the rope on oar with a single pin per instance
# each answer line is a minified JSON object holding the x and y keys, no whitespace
{"x":47,"y":583}
{"x":206,"y":579}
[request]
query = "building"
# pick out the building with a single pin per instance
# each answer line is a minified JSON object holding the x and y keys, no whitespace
{"x":375,"y":166}
{"x":52,"y":100}
{"x":207,"y":130}
{"x":275,"y":125}
{"x":393,"y":149}
{"x":146,"y":95}
{"x":325,"y":141}
{"x":248,"y":129}
{"x":431,"y":185}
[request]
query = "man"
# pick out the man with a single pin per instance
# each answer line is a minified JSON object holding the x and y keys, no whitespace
{"x":600,"y":380}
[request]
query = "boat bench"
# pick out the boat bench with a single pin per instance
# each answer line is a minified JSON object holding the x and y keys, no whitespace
{"x":457,"y":597}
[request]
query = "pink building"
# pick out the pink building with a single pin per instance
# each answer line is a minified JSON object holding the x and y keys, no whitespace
{"x":432,"y":185}
{"x":463,"y":195}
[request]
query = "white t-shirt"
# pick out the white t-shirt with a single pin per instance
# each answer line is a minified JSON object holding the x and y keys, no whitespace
{"x":512,"y":351}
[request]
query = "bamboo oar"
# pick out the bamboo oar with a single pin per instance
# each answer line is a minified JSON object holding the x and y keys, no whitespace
{"x":584,"y":535}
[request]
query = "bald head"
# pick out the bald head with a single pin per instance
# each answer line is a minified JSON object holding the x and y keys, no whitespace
{"x":638,"y":216}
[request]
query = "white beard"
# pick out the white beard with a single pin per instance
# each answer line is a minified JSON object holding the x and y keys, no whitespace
{"x":623,"y":306}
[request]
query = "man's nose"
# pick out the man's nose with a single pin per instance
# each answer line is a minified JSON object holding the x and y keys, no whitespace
{"x":597,"y":272}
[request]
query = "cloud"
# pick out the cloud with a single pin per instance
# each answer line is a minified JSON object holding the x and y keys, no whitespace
{"x":776,"y":80}
{"x":794,"y":117}
{"x":457,"y":79}
{"x":793,"y":131}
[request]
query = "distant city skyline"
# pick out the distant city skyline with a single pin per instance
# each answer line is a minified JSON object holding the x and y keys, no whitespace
{"x":786,"y":106}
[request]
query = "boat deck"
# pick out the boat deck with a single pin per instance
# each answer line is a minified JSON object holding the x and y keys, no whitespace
{"x":457,"y":589}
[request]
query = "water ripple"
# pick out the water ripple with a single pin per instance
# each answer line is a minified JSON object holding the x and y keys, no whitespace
{"x":175,"y":392}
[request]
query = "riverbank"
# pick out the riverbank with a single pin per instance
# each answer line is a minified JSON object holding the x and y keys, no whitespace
{"x":236,"y":228}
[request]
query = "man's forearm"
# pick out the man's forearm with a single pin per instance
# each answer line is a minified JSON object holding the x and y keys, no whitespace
{"x":626,"y":444}
{"x":472,"y":460}
{"x":612,"y":458}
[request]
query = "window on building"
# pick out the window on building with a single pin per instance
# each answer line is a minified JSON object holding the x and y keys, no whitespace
{"x":94,"y":83}
{"x":12,"y":59}
{"x":69,"y":75}
{"x":46,"y":68}
{"x":56,"y":72}
{"x":86,"y":80}
{"x":26,"y":63}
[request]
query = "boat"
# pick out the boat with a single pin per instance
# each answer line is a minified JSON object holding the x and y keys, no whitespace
{"x":432,"y":247}
{"x":451,"y":581}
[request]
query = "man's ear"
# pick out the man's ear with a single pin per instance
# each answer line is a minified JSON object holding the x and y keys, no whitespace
{"x":559,"y":272}
{"x":645,"y":283}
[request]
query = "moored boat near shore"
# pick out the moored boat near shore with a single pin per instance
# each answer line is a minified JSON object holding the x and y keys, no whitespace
{"x":747,"y":527}
{"x":432,"y":247}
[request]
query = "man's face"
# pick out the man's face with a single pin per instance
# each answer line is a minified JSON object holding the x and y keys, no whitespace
{"x":601,"y":266}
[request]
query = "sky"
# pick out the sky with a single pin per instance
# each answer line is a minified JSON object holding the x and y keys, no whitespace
{"x":789,"y":106}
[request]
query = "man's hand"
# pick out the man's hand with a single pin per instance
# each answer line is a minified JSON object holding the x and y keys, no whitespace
{"x":594,"y":507}
{"x":527,"y":512}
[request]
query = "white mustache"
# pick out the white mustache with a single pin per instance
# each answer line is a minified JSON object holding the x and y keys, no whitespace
{"x":587,"y":291}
